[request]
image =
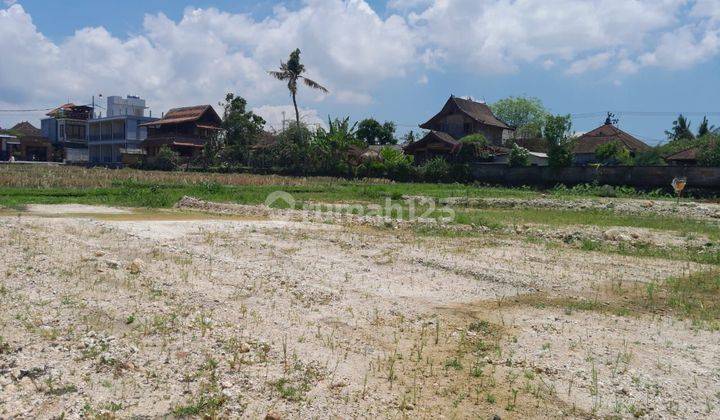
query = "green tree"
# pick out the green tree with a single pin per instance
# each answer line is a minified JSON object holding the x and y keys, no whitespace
{"x":519,"y":156}
{"x":372,"y":132}
{"x":329,"y":149}
{"x":410,"y":137}
{"x":242,"y":128}
{"x":473,"y":147}
{"x":709,"y":153}
{"x":526,"y":114}
{"x":165,"y":160}
{"x":291,"y":72}
{"x":680,"y":129}
{"x":705,"y":128}
{"x":613,"y":152}
{"x":557,"y":134}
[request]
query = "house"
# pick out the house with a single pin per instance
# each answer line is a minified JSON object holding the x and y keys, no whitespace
{"x":66,"y":128}
{"x":461,"y":117}
{"x":184,"y":130}
{"x":120,"y":132}
{"x":28,"y":143}
{"x":687,"y":157}
{"x":584,"y":149}
{"x":439,"y":144}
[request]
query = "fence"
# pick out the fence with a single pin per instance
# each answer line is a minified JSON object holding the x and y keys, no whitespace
{"x":641,"y":177}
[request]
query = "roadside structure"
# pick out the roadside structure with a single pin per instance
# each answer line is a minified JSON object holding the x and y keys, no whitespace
{"x":66,"y":128}
{"x":586,"y":145}
{"x":184,"y":130}
{"x":120,"y":132}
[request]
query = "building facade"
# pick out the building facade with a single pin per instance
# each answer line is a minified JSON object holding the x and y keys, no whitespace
{"x":120,"y":132}
{"x":67,"y":129}
{"x":183,"y":130}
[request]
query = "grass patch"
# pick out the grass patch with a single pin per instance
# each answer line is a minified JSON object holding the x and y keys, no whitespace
{"x":695,"y":297}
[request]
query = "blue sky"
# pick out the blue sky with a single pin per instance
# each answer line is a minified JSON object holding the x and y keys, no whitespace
{"x":397,"y":60}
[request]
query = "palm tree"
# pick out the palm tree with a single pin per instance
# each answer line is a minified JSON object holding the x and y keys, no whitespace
{"x":290,"y":72}
{"x":680,"y":129}
{"x":706,"y":128}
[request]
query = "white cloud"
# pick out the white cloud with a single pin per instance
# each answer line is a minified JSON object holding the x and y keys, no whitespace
{"x":349,"y":48}
{"x":594,"y":62}
{"x":273,"y":115}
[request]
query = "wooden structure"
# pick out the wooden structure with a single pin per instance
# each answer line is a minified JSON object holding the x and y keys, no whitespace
{"x":184,"y":130}
{"x":461,"y":117}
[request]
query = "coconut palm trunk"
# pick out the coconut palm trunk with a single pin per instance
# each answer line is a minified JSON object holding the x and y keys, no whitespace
{"x":291,"y":71}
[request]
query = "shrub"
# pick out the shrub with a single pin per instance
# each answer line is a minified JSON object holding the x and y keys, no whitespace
{"x":397,"y":165}
{"x":435,"y":170}
{"x":165,"y":160}
{"x":710,"y":154}
{"x":519,"y":156}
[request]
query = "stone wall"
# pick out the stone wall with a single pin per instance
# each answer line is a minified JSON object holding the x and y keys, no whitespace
{"x":641,"y":177}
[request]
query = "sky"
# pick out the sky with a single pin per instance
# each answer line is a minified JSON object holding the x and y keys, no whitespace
{"x":395,"y":60}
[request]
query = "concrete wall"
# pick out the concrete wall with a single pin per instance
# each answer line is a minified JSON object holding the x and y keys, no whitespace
{"x":643,"y":177}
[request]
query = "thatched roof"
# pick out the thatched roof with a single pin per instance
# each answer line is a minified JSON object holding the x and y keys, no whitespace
{"x":477,"y":111}
{"x":188,"y":114}
{"x":590,"y":141}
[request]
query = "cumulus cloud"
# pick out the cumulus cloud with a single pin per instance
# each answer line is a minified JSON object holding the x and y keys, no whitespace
{"x":348,"y":47}
{"x":278,"y":116}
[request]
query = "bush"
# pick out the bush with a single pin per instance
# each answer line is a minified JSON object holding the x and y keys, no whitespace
{"x":519,"y":156}
{"x":435,"y":170}
{"x":397,"y":165}
{"x":710,"y":154}
{"x":165,"y":160}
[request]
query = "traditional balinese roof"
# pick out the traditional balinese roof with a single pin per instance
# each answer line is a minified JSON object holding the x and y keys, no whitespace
{"x":590,"y":141}
{"x":477,"y":111}
{"x":188,"y":114}
{"x":26,"y":129}
{"x":690,"y":154}
{"x":447,"y":140}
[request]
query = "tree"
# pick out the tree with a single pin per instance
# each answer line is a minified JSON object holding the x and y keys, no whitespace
{"x":705,"y":128}
{"x":473,"y":147}
{"x":409,"y":137}
{"x":709,"y":153}
{"x":291,"y":72}
{"x":519,"y":156}
{"x":526,"y":114}
{"x":242,"y":127}
{"x":556,"y":133}
{"x":329,"y":148}
{"x":680,"y":129}
{"x":613,"y":152}
{"x":372,"y":132}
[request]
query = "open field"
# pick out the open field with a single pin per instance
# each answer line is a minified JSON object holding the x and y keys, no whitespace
{"x":567,"y":306}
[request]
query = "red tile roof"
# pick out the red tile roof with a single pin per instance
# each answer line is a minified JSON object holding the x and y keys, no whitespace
{"x":687,"y":154}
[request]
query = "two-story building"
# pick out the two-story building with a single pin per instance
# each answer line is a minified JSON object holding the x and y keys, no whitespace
{"x":66,"y":128}
{"x":120,"y":131}
{"x":183,"y":130}
{"x":459,"y":118}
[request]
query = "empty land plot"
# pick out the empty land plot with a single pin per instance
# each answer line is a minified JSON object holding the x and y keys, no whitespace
{"x":176,"y":314}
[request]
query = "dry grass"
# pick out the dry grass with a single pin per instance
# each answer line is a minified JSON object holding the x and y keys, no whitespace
{"x":36,"y":176}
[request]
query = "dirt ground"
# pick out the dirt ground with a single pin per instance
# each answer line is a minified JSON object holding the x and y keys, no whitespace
{"x":113,"y":313}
